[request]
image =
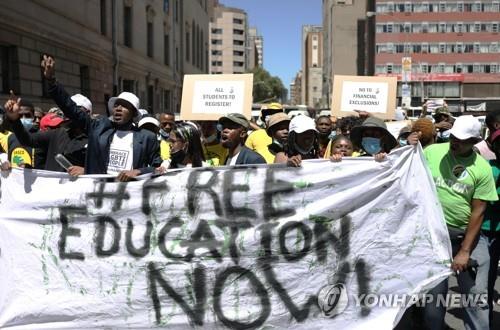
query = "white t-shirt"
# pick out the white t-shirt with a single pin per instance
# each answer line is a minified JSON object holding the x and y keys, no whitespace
{"x":232,"y":160}
{"x":121,"y":152}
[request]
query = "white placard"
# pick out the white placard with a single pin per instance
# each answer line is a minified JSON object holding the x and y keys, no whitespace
{"x":221,"y":97}
{"x":366,"y":96}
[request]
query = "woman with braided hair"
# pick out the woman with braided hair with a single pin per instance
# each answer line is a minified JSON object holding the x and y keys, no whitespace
{"x":185,"y":146}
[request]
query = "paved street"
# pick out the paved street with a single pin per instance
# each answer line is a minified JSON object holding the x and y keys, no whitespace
{"x":453,"y":318}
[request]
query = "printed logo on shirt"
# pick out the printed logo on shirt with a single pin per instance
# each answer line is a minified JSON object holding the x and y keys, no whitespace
{"x":459,"y":172}
{"x":20,"y":157}
{"x":118,"y":159}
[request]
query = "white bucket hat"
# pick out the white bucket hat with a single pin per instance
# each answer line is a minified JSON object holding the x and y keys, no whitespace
{"x":300,"y":124}
{"x":82,"y":101}
{"x":149,"y":120}
{"x":125,"y":96}
{"x":466,"y":127}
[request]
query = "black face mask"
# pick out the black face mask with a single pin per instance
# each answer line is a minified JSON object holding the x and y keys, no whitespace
{"x":178,"y":156}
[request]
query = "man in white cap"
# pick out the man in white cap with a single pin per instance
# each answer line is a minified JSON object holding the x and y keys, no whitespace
{"x":464,"y":183}
{"x":116,"y":146}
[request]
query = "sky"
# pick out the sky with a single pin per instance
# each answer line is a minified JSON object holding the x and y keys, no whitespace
{"x":280,"y":23}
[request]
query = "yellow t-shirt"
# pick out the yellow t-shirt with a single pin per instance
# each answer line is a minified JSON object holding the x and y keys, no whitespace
{"x":215,"y":154}
{"x":17,"y":154}
{"x":164,"y":150}
{"x":258,"y":140}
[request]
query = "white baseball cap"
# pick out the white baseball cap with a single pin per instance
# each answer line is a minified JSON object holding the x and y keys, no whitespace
{"x":466,"y":127}
{"x":126,"y":96}
{"x":300,"y":124}
{"x":82,"y":101}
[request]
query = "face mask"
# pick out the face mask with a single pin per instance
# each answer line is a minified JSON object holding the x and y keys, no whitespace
{"x":403,"y":142}
{"x":332,"y":135}
{"x":445,"y":135}
{"x":164,"y":134}
{"x":178,"y":156}
{"x":27,"y":123}
{"x":211,"y":138}
{"x":371,"y":145}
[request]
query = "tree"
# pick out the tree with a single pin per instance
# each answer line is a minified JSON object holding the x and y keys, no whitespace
{"x":266,"y":88}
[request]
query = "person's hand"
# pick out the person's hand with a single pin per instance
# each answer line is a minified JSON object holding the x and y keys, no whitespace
{"x":5,"y":166}
{"x":380,"y":157}
{"x":460,"y":261}
{"x":336,"y":158}
{"x":444,"y":125}
{"x":161,"y":170}
{"x":294,"y":161}
{"x":363,"y":114}
{"x":76,"y":170}
{"x":12,"y":107}
{"x":48,"y":66}
{"x":125,"y":176}
{"x":413,"y":138}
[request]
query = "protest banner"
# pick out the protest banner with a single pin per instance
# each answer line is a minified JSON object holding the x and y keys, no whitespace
{"x":376,"y":95}
{"x":209,"y":97}
{"x":237,"y":248}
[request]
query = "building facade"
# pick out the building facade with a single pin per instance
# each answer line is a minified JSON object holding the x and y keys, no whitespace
{"x":228,"y":40}
{"x":453,"y":47}
{"x":344,"y":39}
{"x":103,"y":47}
{"x":256,"y":49}
{"x":312,"y":66}
{"x":295,"y":90}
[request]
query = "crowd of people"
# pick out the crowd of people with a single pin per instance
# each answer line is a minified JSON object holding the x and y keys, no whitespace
{"x":130,"y":142}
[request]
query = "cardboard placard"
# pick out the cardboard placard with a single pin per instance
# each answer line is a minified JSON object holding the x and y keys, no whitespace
{"x":209,"y":97}
{"x":376,"y":95}
{"x":395,"y":126}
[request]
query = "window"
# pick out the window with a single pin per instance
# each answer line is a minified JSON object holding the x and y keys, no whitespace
{"x":238,"y":31}
{"x":458,"y":68}
{"x":217,"y":31}
{"x":104,"y":24}
{"x":150,"y":107}
{"x":494,"y":47}
{"x":217,"y":52}
{"x":166,"y":50}
{"x":476,"y":48}
{"x":442,"y":48}
{"x":389,"y":68}
{"x":495,"y":6}
{"x":194,"y":36}
{"x":127,"y":26}
{"x":237,"y":21}
{"x":460,"y":6}
{"x":85,"y":80}
{"x":150,"y":40}
{"x":165,"y":6}
{"x":188,"y":45}
{"x":9,"y":70}
{"x":477,"y":6}
{"x":494,"y":27}
{"x":459,"y":47}
{"x":238,"y":42}
{"x":128,"y":85}
{"x":424,"y":68}
{"x":494,"y":68}
{"x":167,"y":100}
{"x":177,"y":58}
{"x":238,"y":53}
{"x":238,"y":63}
{"x":176,"y":14}
{"x":442,"y":7}
{"x":389,"y":28}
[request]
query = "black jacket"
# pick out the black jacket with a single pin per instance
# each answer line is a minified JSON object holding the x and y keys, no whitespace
{"x":248,"y":156}
{"x":100,"y":132}
{"x":53,"y":142}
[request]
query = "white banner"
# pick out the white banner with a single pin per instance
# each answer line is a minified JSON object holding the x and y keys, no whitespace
{"x":221,"y":248}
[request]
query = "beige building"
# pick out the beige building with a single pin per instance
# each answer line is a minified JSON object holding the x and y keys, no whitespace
{"x":312,"y":66}
{"x":103,"y":47}
{"x":256,"y":49}
{"x":228,"y":40}
{"x":296,"y":90}
{"x":344,"y":37}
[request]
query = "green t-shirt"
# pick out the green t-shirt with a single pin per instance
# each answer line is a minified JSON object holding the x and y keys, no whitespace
{"x":492,"y":214}
{"x":458,"y":181}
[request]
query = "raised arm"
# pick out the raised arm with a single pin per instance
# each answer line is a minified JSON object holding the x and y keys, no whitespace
{"x":61,"y":97}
